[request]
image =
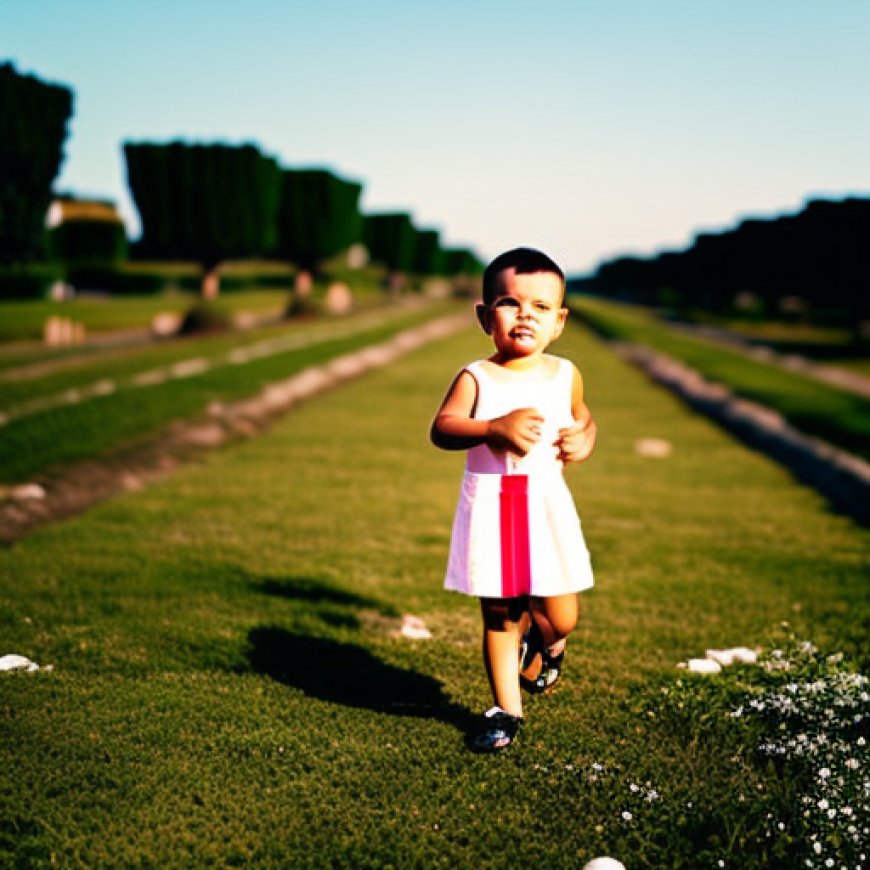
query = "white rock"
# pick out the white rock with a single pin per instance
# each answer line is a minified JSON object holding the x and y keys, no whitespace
{"x":14,"y":662}
{"x":604,"y":864}
{"x":339,"y":298}
{"x":656,"y":448}
{"x":703,"y":666}
{"x":28,"y":492}
{"x":414,"y":628}
{"x":727,"y":657}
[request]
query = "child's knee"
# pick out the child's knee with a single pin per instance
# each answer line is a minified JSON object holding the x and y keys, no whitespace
{"x":562,"y":613}
{"x":564,"y":623}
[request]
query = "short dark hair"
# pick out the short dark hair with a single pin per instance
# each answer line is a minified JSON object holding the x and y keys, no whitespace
{"x":524,"y":261}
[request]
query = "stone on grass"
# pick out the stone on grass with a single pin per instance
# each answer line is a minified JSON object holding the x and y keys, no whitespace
{"x":13,"y":662}
{"x":166,"y":323}
{"x":414,"y":628}
{"x":339,"y":299}
{"x":27,"y":492}
{"x":702,"y":666}
{"x":655,"y":448}
{"x":737,"y":654}
{"x":604,"y":863}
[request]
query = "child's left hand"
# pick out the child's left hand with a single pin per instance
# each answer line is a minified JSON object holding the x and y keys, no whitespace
{"x":576,"y":442}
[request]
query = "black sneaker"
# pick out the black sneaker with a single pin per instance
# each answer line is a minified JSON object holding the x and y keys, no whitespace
{"x":498,"y":731}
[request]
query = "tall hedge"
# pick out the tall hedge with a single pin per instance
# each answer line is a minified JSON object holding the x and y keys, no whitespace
{"x":206,"y":203}
{"x":33,"y":129}
{"x":318,"y":216}
{"x":390,"y":239}
{"x":820,"y":255}
{"x":461,"y":261}
{"x":429,"y":256}
{"x":80,"y":240}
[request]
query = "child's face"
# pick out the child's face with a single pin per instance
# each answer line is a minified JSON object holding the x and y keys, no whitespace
{"x":526,"y":314}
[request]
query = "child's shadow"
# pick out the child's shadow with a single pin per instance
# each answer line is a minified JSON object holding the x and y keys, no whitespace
{"x":350,"y":675}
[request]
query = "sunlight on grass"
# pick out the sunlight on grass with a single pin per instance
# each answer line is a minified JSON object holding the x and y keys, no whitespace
{"x":228,"y":686}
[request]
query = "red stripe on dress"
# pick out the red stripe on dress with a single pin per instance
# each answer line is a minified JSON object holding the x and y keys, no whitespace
{"x":516,"y":560}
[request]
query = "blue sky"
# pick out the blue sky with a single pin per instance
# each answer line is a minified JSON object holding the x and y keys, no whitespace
{"x":585,"y":128}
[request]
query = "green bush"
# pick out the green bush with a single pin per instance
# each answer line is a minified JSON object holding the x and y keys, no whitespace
{"x":205,"y":318}
{"x":87,"y":241}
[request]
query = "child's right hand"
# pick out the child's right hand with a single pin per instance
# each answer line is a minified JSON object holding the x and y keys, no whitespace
{"x":517,"y":432}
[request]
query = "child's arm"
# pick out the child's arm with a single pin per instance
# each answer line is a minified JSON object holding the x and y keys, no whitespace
{"x":576,"y":442}
{"x":454,"y":427}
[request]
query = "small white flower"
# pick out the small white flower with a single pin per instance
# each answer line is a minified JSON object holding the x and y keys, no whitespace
{"x":627,"y":816}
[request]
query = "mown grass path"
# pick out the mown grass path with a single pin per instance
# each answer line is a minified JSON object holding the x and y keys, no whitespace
{"x":228,"y":690}
{"x":136,"y":396}
{"x":813,"y":407}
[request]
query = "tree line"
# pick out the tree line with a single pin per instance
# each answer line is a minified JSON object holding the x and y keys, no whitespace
{"x":203,"y":202}
{"x":813,"y":264}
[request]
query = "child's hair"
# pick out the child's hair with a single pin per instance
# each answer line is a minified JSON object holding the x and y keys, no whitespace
{"x":525,"y":261}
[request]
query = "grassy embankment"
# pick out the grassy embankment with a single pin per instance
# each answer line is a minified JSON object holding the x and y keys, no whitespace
{"x":228,"y":690}
{"x":130,"y":393}
{"x":813,"y":407}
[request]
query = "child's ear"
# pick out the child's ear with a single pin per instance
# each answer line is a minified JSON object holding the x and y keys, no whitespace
{"x":560,"y":323}
{"x":483,"y":317}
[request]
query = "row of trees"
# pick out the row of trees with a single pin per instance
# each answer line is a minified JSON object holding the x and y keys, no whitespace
{"x":202,"y":202}
{"x":816,"y":262}
{"x":33,"y":128}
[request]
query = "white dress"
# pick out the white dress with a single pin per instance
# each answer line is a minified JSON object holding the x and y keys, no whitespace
{"x":505,"y":545}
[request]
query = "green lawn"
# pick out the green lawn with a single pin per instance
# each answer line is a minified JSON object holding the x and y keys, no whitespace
{"x":812,"y":407}
{"x":25,"y":319}
{"x":228,"y":691}
{"x":34,"y":442}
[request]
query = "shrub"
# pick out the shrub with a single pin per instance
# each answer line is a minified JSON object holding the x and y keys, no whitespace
{"x":205,"y":318}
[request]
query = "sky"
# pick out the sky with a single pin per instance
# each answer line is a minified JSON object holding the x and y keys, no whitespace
{"x":587,"y":128}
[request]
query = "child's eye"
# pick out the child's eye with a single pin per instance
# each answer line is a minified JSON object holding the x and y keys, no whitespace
{"x":506,"y":302}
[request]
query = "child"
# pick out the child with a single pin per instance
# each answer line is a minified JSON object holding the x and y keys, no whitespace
{"x":517,"y":542}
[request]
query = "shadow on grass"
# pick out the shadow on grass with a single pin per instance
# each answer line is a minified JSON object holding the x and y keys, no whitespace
{"x":349,"y":675}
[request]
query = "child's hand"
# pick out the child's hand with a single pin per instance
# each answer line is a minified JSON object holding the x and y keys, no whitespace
{"x":517,"y":432}
{"x":576,"y":442}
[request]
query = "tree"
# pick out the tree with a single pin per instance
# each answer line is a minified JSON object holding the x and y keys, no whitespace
{"x":207,"y":203}
{"x":86,"y":232}
{"x":33,"y":129}
{"x":462,"y":262}
{"x":390,"y":239}
{"x":429,"y":256}
{"x":318,"y":216}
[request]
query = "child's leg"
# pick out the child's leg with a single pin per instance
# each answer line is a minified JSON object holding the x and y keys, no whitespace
{"x":556,"y":617}
{"x":502,"y":619}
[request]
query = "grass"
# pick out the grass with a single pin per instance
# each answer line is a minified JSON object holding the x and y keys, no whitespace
{"x":827,"y":345}
{"x":39,"y":441}
{"x":228,"y":690}
{"x":25,"y":319}
{"x":813,"y":407}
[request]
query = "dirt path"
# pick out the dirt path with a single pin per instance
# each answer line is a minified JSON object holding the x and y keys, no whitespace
{"x":78,"y":487}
